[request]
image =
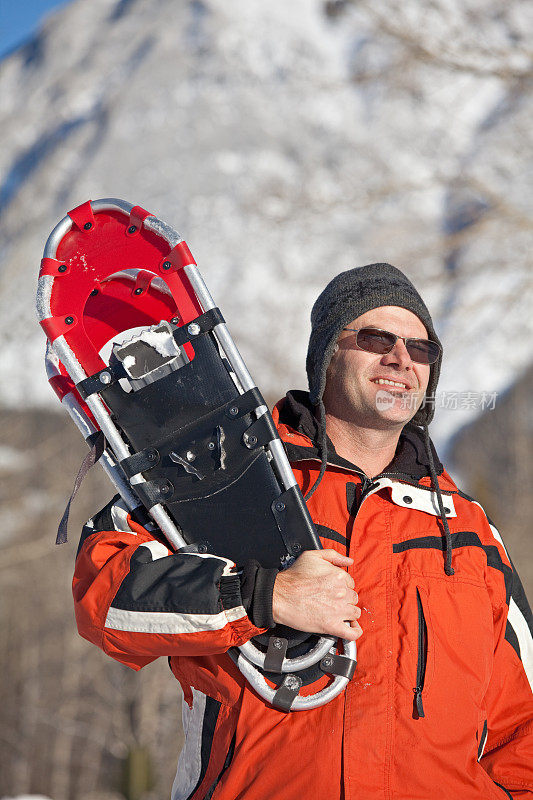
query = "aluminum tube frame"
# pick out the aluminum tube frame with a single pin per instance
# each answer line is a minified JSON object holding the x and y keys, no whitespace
{"x":300,"y":703}
{"x":289,"y":664}
{"x":86,"y":427}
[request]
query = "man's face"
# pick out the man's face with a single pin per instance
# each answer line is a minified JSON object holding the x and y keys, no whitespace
{"x":358,"y":387}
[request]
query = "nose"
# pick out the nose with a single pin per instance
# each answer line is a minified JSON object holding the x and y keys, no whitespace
{"x":398,"y":356}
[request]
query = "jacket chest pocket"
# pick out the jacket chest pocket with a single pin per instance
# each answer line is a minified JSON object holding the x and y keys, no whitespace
{"x":416,"y":649}
{"x":421,"y":659}
{"x":445,"y":644}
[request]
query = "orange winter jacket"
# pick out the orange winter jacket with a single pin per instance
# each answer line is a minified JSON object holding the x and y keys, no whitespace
{"x":440,"y":707}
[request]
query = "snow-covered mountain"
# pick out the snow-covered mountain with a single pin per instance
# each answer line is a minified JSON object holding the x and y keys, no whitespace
{"x":286,"y":142}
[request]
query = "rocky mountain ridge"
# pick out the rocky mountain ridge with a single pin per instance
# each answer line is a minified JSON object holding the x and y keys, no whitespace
{"x":286,"y":143}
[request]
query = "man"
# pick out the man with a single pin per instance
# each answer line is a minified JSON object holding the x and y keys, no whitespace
{"x":440,"y":705}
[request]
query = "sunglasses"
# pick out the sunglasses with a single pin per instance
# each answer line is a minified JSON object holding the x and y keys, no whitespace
{"x":373,"y":340}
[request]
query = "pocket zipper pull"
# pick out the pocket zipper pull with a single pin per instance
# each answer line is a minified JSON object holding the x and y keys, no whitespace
{"x":419,"y":706}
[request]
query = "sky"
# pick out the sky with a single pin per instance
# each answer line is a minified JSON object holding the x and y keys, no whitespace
{"x":19,"y":20}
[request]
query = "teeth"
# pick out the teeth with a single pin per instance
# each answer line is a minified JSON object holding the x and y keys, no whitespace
{"x":385,"y":382}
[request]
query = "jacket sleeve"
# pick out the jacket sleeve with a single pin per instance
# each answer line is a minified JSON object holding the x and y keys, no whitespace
{"x":137,"y":600}
{"x":506,"y":750}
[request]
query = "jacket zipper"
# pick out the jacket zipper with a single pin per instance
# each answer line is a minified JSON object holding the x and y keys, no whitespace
{"x":367,"y":484}
{"x":418,"y":709}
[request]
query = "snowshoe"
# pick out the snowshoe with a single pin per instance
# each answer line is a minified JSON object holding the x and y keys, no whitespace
{"x":142,"y":360}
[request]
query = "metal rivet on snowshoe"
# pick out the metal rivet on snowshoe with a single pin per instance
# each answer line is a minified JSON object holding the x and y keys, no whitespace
{"x":69,"y":320}
{"x":292,"y":682}
{"x":296,"y":547}
{"x":250,"y":441}
{"x":88,"y":226}
{"x":94,"y":291}
{"x":280,"y":506}
{"x":211,"y":445}
{"x":105,"y":377}
{"x":277,"y":643}
{"x":175,"y":320}
{"x":165,"y":488}
{"x":189,"y":455}
{"x":62,"y":268}
{"x":132,"y":229}
{"x":138,"y":290}
{"x":446,"y":509}
{"x":234,"y":411}
{"x":327,"y":662}
{"x":407,"y":499}
{"x":151,"y":456}
{"x":194,"y":329}
{"x":166,"y":264}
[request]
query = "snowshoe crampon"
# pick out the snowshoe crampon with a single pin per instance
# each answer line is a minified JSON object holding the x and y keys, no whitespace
{"x":138,"y":353}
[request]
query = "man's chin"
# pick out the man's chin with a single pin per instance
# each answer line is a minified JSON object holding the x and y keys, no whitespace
{"x":393,"y":421}
{"x":395,"y":409}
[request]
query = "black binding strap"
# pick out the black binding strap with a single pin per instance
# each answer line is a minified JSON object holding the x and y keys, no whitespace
{"x":140,"y":462}
{"x":338,"y":665}
{"x":198,"y":327}
{"x":203,"y":324}
{"x":96,"y":442}
{"x":287,"y":692}
{"x":277,"y":649}
{"x":101,"y":380}
{"x":260,"y":432}
{"x":153,"y":492}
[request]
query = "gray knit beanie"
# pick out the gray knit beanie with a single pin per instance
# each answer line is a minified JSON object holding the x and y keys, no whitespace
{"x":345,"y":298}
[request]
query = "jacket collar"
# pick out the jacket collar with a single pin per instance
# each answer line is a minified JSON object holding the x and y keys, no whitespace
{"x":299,"y":430}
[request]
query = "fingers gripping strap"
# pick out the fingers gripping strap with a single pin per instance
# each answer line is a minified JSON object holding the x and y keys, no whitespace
{"x":97,"y":442}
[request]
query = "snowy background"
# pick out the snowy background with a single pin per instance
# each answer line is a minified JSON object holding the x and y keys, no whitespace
{"x":286,"y":142}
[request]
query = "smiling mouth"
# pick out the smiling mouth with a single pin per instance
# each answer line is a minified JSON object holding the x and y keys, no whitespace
{"x":390,"y":383}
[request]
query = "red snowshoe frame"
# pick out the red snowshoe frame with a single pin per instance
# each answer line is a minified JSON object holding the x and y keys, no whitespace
{"x":112,"y":271}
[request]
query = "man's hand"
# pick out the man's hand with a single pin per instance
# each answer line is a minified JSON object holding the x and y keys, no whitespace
{"x":317,"y":595}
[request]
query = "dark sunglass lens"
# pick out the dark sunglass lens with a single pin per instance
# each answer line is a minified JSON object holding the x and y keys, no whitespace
{"x":374,"y":341}
{"x":422,"y":351}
